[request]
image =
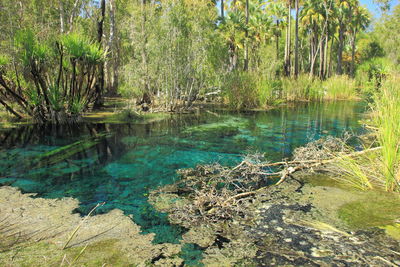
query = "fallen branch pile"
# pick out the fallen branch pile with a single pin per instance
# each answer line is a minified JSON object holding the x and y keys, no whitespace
{"x":214,"y":192}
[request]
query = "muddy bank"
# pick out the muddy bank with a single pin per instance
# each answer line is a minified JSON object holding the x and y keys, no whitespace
{"x":303,"y":221}
{"x":298,"y":224}
{"x":33,"y":232}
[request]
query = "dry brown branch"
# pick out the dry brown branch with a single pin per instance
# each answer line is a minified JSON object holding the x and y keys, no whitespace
{"x":214,"y":192}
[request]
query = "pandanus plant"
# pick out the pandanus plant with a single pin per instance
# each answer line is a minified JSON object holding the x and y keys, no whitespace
{"x":50,"y":81}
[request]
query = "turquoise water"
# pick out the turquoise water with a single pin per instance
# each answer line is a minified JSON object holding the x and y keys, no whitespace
{"x":128,"y":160}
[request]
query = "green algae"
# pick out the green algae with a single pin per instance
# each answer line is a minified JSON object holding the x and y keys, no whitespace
{"x":116,"y":117}
{"x":392,"y":230}
{"x":373,"y":210}
{"x":352,"y":209}
{"x":324,"y":180}
{"x":228,"y":126}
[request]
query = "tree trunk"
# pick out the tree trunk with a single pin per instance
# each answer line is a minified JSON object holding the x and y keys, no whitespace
{"x":100,"y":82}
{"x":62,"y":16}
{"x":73,"y":14}
{"x":340,"y":49}
{"x":296,"y":51}
{"x":353,"y":53}
{"x":246,"y":49}
{"x":277,"y":40}
{"x":112,"y":68}
{"x":330,"y":58}
{"x":321,"y":57}
{"x":144,"y":51}
{"x":10,"y":109}
{"x":222,"y":10}
{"x":325,"y":71}
{"x":288,"y":41}
{"x":315,"y":49}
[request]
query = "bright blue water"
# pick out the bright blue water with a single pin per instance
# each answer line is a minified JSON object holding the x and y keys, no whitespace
{"x":135,"y":158}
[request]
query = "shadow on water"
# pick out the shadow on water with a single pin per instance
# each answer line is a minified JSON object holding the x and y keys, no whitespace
{"x":119,"y":163}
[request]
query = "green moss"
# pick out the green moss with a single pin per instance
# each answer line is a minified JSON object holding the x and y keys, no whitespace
{"x":375,"y":209}
{"x":323,"y":180}
{"x":46,"y":254}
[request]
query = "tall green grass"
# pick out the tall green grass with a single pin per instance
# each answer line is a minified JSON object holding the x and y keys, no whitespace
{"x":303,"y":88}
{"x":253,"y":90}
{"x":379,"y":168}
{"x":241,"y":90}
{"x":386,"y":116}
{"x":339,"y":88}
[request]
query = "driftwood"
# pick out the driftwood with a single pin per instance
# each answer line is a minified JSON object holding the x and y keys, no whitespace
{"x":301,"y":165}
{"x":214,"y":192}
{"x":290,"y":168}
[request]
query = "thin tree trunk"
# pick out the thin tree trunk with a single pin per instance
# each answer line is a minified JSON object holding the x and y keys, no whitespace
{"x":321,"y":57}
{"x":331,"y":57}
{"x":288,"y":42}
{"x":62,"y":16}
{"x":353,"y":53}
{"x":324,"y":74}
{"x":246,"y":51}
{"x":111,"y":50}
{"x":73,"y":14}
{"x":277,"y":40}
{"x":100,"y":83}
{"x":10,"y":109}
{"x":222,"y":10}
{"x":340,"y":49}
{"x":296,"y":49}
{"x":144,"y":51}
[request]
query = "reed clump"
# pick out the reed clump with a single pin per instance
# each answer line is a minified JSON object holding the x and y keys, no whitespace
{"x":386,"y":117}
{"x":251,"y":90}
{"x":381,"y":167}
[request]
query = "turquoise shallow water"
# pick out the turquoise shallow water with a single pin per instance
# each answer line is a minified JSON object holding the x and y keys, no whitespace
{"x":130,"y":159}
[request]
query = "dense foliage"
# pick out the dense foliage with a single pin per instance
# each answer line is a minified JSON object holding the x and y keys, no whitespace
{"x":60,"y":58}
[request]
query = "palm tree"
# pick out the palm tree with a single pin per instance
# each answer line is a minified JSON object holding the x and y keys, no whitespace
{"x":278,"y":12}
{"x":288,"y":46}
{"x":343,"y":11}
{"x":313,"y":22}
{"x":360,"y":21}
{"x":296,"y":46}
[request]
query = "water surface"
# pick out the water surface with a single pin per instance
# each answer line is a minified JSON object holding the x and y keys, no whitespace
{"x":128,"y":160}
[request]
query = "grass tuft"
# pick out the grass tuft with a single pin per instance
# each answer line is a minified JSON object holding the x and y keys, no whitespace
{"x":386,"y":116}
{"x":379,"y":168}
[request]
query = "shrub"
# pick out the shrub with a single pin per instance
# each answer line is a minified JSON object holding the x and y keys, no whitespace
{"x":269,"y":91}
{"x":241,"y":90}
